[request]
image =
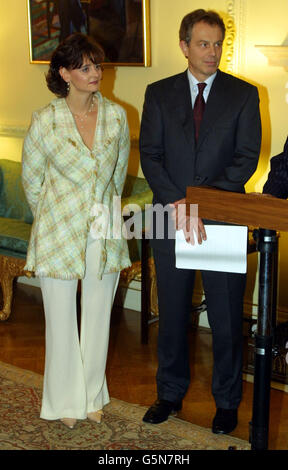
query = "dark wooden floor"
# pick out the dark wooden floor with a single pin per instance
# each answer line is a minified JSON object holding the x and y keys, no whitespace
{"x":131,"y":366}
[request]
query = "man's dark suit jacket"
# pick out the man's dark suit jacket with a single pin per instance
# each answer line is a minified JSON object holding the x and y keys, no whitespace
{"x":228,"y":147}
{"x":277,"y":182}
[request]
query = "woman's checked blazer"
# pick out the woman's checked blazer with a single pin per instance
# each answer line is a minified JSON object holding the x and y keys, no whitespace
{"x":63,"y":180}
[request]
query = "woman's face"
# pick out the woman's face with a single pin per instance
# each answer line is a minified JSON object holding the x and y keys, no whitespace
{"x":85,"y":79}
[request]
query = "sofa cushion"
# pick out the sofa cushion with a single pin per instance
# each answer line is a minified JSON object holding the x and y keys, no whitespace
{"x":13,"y":203}
{"x":14,"y":236}
{"x":136,"y":191}
{"x":134,"y":185}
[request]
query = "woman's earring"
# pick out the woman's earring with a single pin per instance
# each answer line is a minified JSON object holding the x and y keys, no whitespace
{"x":68,"y":87}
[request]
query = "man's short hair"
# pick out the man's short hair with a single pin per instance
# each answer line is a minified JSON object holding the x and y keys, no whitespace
{"x":209,"y":16}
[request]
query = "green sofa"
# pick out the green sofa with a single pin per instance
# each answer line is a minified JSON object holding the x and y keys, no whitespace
{"x":15,"y":226}
{"x":16,"y":221}
{"x":15,"y":215}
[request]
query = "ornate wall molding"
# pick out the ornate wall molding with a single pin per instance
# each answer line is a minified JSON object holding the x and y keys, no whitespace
{"x":19,"y":132}
{"x":276,"y":55}
{"x":9,"y":130}
{"x":235,"y":35}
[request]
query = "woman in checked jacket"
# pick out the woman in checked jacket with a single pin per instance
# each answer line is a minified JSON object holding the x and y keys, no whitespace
{"x":75,"y":158}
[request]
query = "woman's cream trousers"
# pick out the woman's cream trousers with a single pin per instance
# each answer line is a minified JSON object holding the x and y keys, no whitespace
{"x":74,"y":379}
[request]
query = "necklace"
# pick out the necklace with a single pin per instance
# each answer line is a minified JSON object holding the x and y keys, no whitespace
{"x":81,"y":118}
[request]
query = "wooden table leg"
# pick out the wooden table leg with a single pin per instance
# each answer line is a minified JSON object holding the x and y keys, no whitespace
{"x":10,"y":268}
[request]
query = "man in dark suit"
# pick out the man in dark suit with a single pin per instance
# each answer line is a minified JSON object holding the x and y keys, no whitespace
{"x":173,"y":156}
{"x":277,"y":182}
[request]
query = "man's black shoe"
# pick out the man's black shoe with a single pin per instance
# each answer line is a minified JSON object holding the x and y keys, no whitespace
{"x":160,"y":411}
{"x":224,"y":421}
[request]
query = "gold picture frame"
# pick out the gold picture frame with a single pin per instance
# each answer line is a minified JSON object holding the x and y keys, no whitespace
{"x":122,"y":27}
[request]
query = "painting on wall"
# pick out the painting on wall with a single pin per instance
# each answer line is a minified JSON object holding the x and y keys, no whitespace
{"x":122,"y":28}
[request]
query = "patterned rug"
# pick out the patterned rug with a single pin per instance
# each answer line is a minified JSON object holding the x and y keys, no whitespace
{"x":122,"y":429}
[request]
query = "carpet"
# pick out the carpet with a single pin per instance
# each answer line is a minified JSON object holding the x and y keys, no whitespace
{"x":122,"y":428}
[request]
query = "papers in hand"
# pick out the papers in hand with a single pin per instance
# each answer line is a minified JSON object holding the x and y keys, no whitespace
{"x":224,"y":250}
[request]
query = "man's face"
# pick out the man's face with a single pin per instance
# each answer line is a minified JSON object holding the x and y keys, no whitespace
{"x":204,"y":50}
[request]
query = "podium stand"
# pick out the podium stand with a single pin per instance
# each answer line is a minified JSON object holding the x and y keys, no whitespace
{"x":257,"y":211}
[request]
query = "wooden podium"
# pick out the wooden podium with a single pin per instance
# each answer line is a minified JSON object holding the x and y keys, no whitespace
{"x":257,"y":211}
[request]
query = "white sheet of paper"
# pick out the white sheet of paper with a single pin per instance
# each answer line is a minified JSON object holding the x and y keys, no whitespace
{"x":224,"y":250}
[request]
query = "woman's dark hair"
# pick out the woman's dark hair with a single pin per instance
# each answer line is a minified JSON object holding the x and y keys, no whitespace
{"x":209,"y":16}
{"x":70,"y":54}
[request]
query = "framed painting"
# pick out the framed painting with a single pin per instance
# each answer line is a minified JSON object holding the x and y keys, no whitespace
{"x":122,"y":27}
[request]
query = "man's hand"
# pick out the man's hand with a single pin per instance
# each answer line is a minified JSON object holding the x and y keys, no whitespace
{"x":191,"y":225}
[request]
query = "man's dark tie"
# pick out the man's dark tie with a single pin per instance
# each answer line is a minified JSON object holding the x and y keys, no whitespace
{"x":198,"y":110}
